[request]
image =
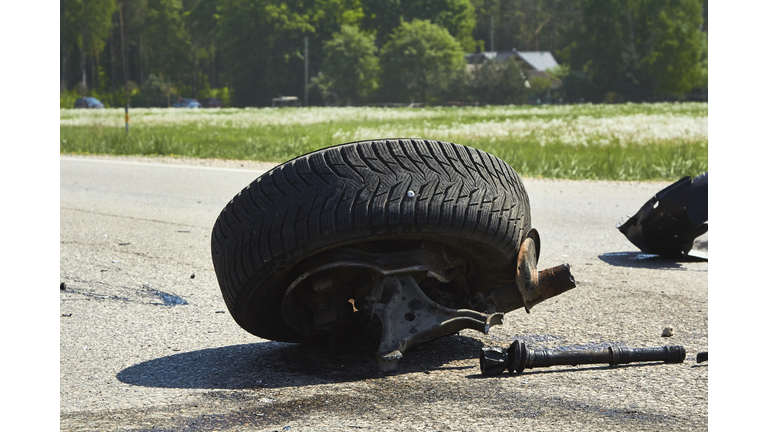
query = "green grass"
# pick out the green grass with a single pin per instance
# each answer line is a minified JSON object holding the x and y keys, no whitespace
{"x":601,"y":142}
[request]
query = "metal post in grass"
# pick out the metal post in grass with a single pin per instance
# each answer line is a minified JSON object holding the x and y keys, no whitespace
{"x":127,"y":102}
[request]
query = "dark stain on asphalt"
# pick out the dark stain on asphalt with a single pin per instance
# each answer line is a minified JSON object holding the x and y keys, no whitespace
{"x":143,"y":295}
{"x":168,"y":299}
{"x":96,"y":295}
{"x":381,"y":399}
{"x":251,"y":386}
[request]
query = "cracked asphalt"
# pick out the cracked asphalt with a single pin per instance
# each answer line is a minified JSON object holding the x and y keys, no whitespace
{"x":146,"y":342}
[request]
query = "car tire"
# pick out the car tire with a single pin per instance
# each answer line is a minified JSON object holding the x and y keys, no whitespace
{"x":394,"y":189}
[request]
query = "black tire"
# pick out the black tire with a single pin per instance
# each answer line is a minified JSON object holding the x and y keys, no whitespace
{"x":359,"y":192}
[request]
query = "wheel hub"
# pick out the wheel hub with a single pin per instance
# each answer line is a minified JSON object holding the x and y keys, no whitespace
{"x":338,"y":288}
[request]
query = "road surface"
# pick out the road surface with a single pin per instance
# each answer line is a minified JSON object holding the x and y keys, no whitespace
{"x":146,"y":342}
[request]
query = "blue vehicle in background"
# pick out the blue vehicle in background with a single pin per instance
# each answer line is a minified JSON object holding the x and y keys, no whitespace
{"x":187,"y":103}
{"x":88,"y":102}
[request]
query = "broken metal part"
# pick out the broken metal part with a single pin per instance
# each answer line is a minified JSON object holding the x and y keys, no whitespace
{"x":702,"y":357}
{"x":669,"y":222}
{"x":409,"y":317}
{"x":351,"y":287}
{"x":493,"y":360}
{"x":534,"y":286}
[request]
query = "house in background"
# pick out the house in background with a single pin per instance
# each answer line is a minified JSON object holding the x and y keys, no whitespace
{"x":532,"y":63}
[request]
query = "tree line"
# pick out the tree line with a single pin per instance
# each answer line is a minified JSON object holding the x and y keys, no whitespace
{"x":247,"y":52}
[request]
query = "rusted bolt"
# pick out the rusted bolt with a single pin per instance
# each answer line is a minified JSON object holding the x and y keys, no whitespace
{"x":518,"y":358}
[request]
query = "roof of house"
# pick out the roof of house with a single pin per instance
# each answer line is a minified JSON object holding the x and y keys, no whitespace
{"x":487,"y":55}
{"x":538,"y":60}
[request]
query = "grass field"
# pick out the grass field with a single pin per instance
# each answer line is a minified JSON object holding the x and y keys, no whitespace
{"x":609,"y":142}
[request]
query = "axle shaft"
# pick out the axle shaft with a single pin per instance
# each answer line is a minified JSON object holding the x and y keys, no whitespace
{"x":494,"y":360}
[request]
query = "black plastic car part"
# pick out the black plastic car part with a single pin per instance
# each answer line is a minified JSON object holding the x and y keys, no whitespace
{"x":668,"y":223}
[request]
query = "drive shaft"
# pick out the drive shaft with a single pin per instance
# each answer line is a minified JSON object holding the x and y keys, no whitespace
{"x":494,"y":360}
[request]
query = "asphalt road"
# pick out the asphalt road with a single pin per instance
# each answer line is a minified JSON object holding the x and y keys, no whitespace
{"x":146,"y":342}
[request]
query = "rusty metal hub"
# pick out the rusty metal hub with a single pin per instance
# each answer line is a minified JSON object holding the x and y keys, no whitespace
{"x":409,"y":297}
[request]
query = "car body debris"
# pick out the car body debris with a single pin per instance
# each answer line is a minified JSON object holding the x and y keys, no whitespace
{"x":671,"y":220}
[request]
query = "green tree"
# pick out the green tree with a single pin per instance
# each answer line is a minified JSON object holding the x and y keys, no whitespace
{"x":262,"y":43}
{"x":200,"y":19}
{"x":157,"y":92}
{"x":704,"y":81}
{"x":579,"y":87}
{"x":85,"y":25}
{"x":350,"y":64}
{"x":525,"y":25}
{"x":129,"y":25}
{"x":499,"y":83}
{"x":671,"y":43}
{"x":457,"y":16}
{"x":638,"y":48}
{"x":419,"y":59}
{"x":166,"y":42}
